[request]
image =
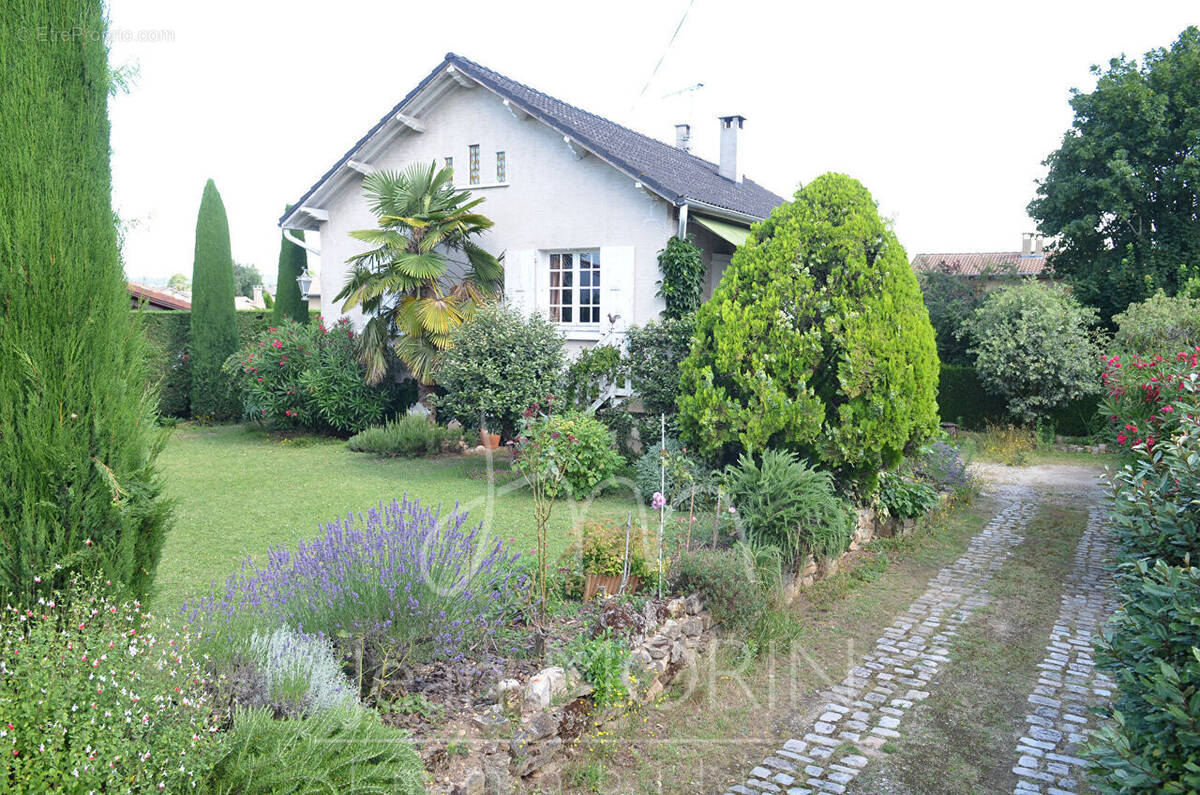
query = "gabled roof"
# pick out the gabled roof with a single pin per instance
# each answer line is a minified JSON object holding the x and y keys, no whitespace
{"x":156,"y":299}
{"x":1000,"y":263}
{"x":675,"y":175}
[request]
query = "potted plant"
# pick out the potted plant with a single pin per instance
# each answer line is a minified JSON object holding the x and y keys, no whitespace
{"x":490,"y":441}
{"x":613,"y":559}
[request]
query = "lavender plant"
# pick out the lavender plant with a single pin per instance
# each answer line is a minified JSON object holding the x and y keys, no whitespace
{"x":300,"y":672}
{"x":403,"y":582}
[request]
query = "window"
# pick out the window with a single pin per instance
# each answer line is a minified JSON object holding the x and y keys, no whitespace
{"x":450,"y":167}
{"x":473,"y":163}
{"x":500,"y":167}
{"x":575,"y":287}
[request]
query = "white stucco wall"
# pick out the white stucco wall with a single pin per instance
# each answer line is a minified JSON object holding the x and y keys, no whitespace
{"x":550,"y":201}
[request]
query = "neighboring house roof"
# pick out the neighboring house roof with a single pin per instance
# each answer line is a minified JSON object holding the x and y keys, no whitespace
{"x":155,"y":299}
{"x":1000,"y":263}
{"x":677,"y":176}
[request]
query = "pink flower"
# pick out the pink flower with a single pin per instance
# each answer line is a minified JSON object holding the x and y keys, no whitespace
{"x":658,"y":501}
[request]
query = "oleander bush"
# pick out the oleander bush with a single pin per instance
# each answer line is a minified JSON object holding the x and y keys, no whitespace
{"x":782,"y":502}
{"x":98,"y":695}
{"x":1140,"y":395}
{"x":408,"y":436}
{"x":816,"y":341}
{"x":344,"y":750}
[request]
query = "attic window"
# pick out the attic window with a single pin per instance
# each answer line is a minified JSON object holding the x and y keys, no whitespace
{"x":473,"y":163}
{"x":501,"y":167}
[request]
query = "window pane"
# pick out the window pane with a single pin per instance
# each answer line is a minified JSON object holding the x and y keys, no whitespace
{"x":474,"y":163}
{"x":554,"y":278}
{"x":585,"y":278}
{"x":568,"y":278}
{"x":501,"y":167}
{"x":554,"y":314}
{"x":566,"y":314}
{"x":595,"y":278}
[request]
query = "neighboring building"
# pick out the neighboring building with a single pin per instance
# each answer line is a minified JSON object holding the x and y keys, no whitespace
{"x":581,"y":205}
{"x":995,"y":267}
{"x":141,"y":296}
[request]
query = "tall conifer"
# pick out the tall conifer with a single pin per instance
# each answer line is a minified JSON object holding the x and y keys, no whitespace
{"x":214,"y":325}
{"x":289,"y":304}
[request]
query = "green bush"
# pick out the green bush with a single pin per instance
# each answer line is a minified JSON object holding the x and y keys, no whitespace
{"x":78,"y":447}
{"x":1033,"y":345}
{"x":603,"y":550}
{"x":498,"y":364}
{"x":655,"y":352}
{"x":783,"y":503}
{"x":575,"y":445}
{"x":951,"y":299}
{"x":962,"y":399}
{"x":337,"y":384}
{"x":726,"y":583}
{"x":816,"y":341}
{"x":1158,"y":325}
{"x":682,"y":269}
{"x":905,"y":499}
{"x":214,"y":328}
{"x":590,"y":372}
{"x":603,"y":662}
{"x":95,"y":695}
{"x":681,"y":474}
{"x":342,"y":750}
{"x":409,"y":436}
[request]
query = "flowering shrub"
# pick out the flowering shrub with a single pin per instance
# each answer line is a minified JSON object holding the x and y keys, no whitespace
{"x":574,"y":446}
{"x":1140,"y":395}
{"x":942,"y":465}
{"x":403,"y":577}
{"x":95,"y":695}
{"x":307,"y":377}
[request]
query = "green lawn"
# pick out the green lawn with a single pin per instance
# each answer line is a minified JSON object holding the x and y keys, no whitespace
{"x":239,"y":491}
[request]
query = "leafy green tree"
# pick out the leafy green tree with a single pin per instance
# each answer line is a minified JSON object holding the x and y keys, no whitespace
{"x":79,"y":486}
{"x":1159,"y":325}
{"x":179,"y":282}
{"x":1033,"y":345}
{"x":411,"y":287}
{"x":1120,"y":194}
{"x":245,"y":279}
{"x":499,"y":363}
{"x":682,"y":278}
{"x":214,"y":326}
{"x":289,"y":304}
{"x":952,"y":299}
{"x":816,"y":341}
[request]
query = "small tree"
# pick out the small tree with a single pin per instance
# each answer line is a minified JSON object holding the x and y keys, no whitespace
{"x":952,"y":299}
{"x":1033,"y":345}
{"x":179,"y":282}
{"x":245,"y":279}
{"x":682,"y":278}
{"x":79,"y":486}
{"x":498,"y":364}
{"x":816,"y":340}
{"x":214,"y":325}
{"x":1159,"y":325}
{"x":289,"y":304}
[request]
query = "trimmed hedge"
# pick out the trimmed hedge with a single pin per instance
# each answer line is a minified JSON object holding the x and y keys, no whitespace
{"x":170,"y":341}
{"x":962,"y":399}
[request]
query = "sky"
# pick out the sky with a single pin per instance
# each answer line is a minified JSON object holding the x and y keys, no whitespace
{"x":945,"y":111}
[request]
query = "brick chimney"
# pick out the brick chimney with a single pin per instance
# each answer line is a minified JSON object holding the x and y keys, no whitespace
{"x":683,"y":137}
{"x":730,"y":164}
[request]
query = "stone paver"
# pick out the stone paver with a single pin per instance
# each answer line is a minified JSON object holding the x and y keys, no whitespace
{"x":868,"y":707}
{"x":1068,"y":683}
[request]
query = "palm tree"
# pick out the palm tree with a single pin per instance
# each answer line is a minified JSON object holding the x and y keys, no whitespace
{"x":411,"y":285}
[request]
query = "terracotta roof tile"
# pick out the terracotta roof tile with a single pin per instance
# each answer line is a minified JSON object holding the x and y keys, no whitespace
{"x":1000,"y":263}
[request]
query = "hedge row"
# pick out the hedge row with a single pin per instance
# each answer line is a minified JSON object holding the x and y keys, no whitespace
{"x":963,"y":400}
{"x":170,"y":340}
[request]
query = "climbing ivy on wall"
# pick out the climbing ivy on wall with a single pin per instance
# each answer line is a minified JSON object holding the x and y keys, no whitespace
{"x":683,"y":277}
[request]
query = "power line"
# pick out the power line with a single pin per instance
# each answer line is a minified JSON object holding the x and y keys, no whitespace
{"x":662,"y":57}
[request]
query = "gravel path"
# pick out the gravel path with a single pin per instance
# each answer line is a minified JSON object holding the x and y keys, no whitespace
{"x":1068,"y":684}
{"x":869,"y":706}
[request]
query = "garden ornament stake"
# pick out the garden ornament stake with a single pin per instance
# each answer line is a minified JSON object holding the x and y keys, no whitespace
{"x":625,"y":564}
{"x":662,"y":485}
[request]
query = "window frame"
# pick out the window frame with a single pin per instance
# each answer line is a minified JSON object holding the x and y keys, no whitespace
{"x":581,"y":280}
{"x":473,"y":165}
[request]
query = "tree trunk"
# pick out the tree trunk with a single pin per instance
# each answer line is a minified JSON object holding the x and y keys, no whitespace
{"x":424,"y":392}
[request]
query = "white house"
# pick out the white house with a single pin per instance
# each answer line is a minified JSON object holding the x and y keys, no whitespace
{"x":581,"y":205}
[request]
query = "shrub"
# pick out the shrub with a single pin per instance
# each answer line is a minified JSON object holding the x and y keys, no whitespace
{"x":214,"y":329}
{"x":905,"y":499}
{"x":575,"y":445}
{"x":816,"y":341}
{"x":724,"y":581}
{"x":591,"y":371}
{"x":1158,"y":325}
{"x":951,"y":299}
{"x":942,"y":465}
{"x":414,"y":583}
{"x":683,"y":278}
{"x":307,"y":376}
{"x":1140,"y":395}
{"x":300,"y":674}
{"x":344,"y":749}
{"x":1034,"y":346}
{"x":603,"y":550}
{"x":655,"y":352}
{"x":409,"y":436}
{"x":963,"y":400}
{"x":603,"y":662}
{"x":681,"y":474}
{"x":497,"y":365}
{"x":97,"y":695}
{"x":1007,"y":444}
{"x":78,"y":447}
{"x":781,"y":502}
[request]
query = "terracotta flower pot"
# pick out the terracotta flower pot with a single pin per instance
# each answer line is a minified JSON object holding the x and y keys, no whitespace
{"x":610,"y":583}
{"x":491,"y":441}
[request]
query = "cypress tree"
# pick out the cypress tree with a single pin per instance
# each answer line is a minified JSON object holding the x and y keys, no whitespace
{"x":214,"y":325}
{"x":79,"y":487}
{"x":289,"y":304}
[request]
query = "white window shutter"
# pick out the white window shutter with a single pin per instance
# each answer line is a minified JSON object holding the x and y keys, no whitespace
{"x":519,"y":279}
{"x":617,"y":282}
